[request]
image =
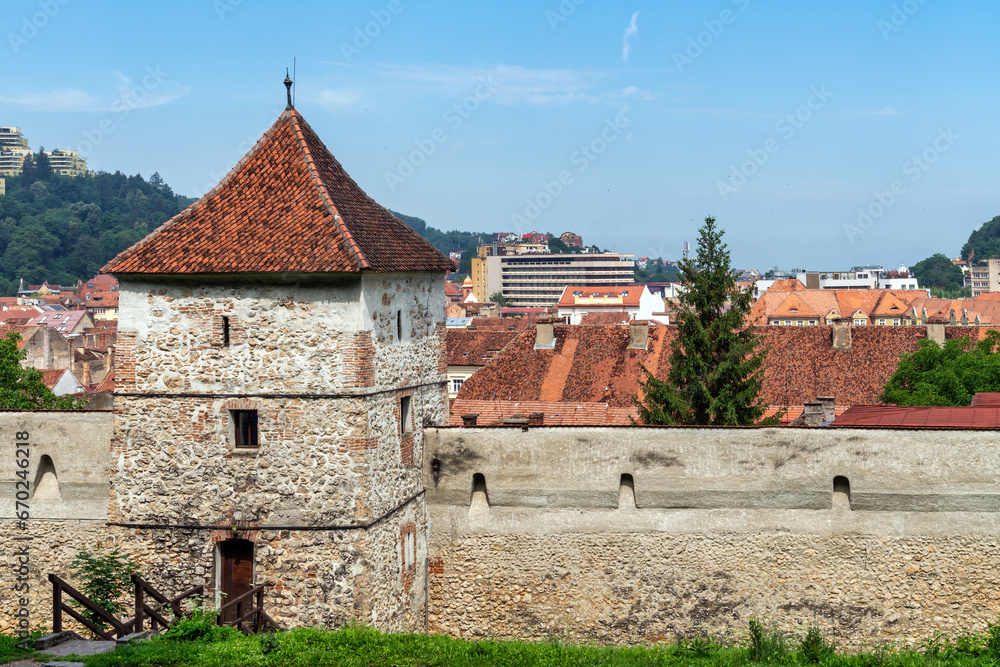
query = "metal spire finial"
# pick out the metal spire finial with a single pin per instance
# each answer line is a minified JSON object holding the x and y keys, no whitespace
{"x":288,"y":90}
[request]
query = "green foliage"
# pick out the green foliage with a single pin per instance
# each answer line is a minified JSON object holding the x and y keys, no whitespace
{"x":657,"y":271}
{"x":766,"y":644}
{"x":22,"y":388}
{"x":105,"y":579}
{"x":949,"y":375}
{"x":813,"y":647}
{"x":937,"y":272}
{"x":499,"y":299}
{"x":985,"y":241}
{"x":356,"y":646}
{"x":716,"y":364}
{"x":64,"y":229}
{"x":201,"y":626}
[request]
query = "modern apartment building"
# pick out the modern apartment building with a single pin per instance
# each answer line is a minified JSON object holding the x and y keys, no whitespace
{"x":11,"y":137}
{"x":11,"y":160}
{"x":531,"y":280}
{"x":984,"y":277}
{"x":68,"y":163}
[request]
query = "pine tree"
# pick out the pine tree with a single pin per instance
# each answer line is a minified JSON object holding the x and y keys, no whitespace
{"x":716,"y":362}
{"x":43,"y":169}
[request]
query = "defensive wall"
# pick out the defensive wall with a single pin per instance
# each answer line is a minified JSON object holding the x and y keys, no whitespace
{"x":625,"y":534}
{"x":604,"y":534}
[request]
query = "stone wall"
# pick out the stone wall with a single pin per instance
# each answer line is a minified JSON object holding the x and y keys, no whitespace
{"x":627,"y":534}
{"x":62,"y":486}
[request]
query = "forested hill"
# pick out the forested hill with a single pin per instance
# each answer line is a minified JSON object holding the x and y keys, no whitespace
{"x":63,"y":229}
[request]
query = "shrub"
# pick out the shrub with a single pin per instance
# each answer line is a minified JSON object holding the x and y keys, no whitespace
{"x":105,"y":577}
{"x":766,"y":645}
{"x":814,"y":648}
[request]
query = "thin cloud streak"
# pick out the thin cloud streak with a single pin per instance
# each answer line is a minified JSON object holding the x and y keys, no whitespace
{"x":631,"y":32}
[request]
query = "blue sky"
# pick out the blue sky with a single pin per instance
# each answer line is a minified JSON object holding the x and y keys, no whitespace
{"x":820,"y":134}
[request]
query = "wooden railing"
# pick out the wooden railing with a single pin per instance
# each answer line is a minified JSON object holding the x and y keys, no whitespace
{"x":155,"y":614}
{"x":246,"y":613}
{"x":59,"y":587}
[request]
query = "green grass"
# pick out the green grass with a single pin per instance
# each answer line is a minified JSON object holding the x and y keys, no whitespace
{"x":9,"y":650}
{"x":204,"y":645}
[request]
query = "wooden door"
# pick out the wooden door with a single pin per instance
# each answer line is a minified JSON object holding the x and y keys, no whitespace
{"x":236,"y":558}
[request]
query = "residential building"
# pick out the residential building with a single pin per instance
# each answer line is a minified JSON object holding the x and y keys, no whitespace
{"x":12,"y":137}
{"x":68,"y":163}
{"x":536,"y":238}
{"x":62,"y":382}
{"x":984,"y":277}
{"x":102,"y":306}
{"x":537,"y":281}
{"x":281,"y":343}
{"x":572,"y":240}
{"x":11,"y":160}
{"x":634,"y":302}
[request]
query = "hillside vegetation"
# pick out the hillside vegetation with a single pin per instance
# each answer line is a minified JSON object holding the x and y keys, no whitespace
{"x":64,"y":229}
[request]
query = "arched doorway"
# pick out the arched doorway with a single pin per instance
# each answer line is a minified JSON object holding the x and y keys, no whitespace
{"x":235,"y":572}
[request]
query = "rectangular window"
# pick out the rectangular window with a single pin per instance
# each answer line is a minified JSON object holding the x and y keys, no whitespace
{"x":405,"y":415}
{"x":244,"y":429}
{"x":456,"y":385}
{"x":225,"y":331}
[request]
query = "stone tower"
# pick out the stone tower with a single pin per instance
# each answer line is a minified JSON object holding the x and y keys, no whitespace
{"x":279,"y":352}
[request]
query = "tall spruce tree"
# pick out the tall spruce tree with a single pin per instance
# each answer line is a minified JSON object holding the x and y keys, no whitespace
{"x":716,"y":361}
{"x":43,"y":169}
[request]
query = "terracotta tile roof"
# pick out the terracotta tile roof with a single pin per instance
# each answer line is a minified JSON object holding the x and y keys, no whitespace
{"x":108,"y":383}
{"x":51,"y":378}
{"x":492,"y":413}
{"x":595,"y":365}
{"x":510,"y":323}
{"x":604,"y":318}
{"x":881,"y":416}
{"x":287,"y":207}
{"x":794,"y":307}
{"x":787,"y":285}
{"x":475,"y":347}
{"x":103,"y":300}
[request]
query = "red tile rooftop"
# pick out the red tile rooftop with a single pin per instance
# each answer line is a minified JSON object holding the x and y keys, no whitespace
{"x":287,"y":207}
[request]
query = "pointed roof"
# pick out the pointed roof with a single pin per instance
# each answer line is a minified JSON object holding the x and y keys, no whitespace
{"x":889,"y":306}
{"x":287,"y":207}
{"x":793,"y":306}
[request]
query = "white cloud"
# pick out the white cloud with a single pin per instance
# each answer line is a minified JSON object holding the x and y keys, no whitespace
{"x":63,"y":99}
{"x":630,"y":34}
{"x":148,"y":92}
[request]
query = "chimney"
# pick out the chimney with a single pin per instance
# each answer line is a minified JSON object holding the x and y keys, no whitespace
{"x":470,"y":419}
{"x":841,"y":333}
{"x":965,"y":317}
{"x":638,"y":334}
{"x":536,"y":419}
{"x":516,"y":420}
{"x":935,"y":332}
{"x":86,"y":375}
{"x":813,"y":414}
{"x":545,"y":335}
{"x":828,"y":407}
